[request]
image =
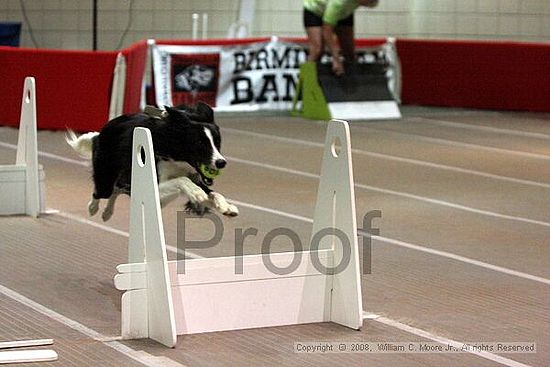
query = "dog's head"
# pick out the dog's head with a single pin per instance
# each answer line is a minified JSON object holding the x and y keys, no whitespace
{"x":195,"y":138}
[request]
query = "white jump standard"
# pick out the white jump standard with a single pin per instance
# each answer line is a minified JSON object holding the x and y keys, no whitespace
{"x":21,"y":184}
{"x":159,"y":303}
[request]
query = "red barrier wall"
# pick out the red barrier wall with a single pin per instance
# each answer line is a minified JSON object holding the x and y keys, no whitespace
{"x":73,"y":87}
{"x":492,"y":75}
{"x":136,"y":58}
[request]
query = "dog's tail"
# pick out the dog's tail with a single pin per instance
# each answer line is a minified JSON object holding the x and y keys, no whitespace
{"x":81,"y":144}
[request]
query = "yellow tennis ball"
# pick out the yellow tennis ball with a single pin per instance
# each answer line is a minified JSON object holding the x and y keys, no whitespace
{"x":208,"y":172}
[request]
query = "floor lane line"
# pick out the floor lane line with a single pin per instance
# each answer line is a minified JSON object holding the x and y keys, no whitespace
{"x":119,"y":232}
{"x":417,"y":247}
{"x":391,"y":241}
{"x":149,"y":360}
{"x":110,"y":341}
{"x":498,"y":130}
{"x":401,"y":194}
{"x":365,"y":187}
{"x":442,"y":340}
{"x":130,"y":352}
{"x":453,"y":143}
{"x":399,"y":159}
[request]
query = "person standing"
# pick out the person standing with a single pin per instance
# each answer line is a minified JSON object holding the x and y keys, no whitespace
{"x":329,"y":23}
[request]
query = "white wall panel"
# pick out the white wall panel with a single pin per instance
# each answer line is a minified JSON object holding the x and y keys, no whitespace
{"x":68,"y":23}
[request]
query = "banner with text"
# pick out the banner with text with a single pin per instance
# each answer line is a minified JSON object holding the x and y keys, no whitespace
{"x":246,"y":77}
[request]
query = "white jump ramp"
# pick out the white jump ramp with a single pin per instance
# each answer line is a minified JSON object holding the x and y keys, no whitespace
{"x":159,"y":303}
{"x":22,"y":184}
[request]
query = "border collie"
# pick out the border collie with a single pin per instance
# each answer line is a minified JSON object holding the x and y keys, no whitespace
{"x":186,"y":141}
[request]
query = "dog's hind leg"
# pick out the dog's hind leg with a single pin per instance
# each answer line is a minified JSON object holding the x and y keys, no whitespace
{"x":110,"y":208}
{"x":93,"y":206}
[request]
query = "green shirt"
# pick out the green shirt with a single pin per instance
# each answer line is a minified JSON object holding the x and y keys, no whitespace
{"x":331,"y":11}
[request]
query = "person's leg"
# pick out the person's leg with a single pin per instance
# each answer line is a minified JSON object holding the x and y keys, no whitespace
{"x":315,"y":43}
{"x":345,"y":33}
{"x":347,"y":42}
{"x":313,"y":25}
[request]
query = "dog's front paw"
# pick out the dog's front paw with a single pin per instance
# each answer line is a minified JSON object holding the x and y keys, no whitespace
{"x":195,"y":208}
{"x":196,"y":195}
{"x":231,"y":211}
{"x":221,"y":205}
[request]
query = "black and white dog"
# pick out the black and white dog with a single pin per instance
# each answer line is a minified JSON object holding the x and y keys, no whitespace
{"x":184,"y":139}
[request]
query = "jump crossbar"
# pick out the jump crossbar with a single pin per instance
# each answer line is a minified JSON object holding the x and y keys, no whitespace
{"x":160,"y":303}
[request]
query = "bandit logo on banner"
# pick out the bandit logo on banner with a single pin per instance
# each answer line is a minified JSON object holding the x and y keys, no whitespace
{"x":195,"y":78}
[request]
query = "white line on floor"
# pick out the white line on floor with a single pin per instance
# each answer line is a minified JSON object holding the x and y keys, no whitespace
{"x":50,"y":155}
{"x":110,"y":229}
{"x":360,"y":186}
{"x":150,"y":360}
{"x":399,"y":193}
{"x":389,"y":322}
{"x":387,"y":240}
{"x":455,"y":169}
{"x":498,"y":130}
{"x":411,"y":246}
{"x":453,"y":143}
{"x":440,"y":339}
{"x":397,"y":159}
{"x":386,"y":321}
{"x":139,"y":356}
{"x":384,"y":239}
{"x":460,"y":258}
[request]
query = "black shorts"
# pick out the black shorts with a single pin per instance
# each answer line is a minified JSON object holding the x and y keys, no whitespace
{"x":313,"y":20}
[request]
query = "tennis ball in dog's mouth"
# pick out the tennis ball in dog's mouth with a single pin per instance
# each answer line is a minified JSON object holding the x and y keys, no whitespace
{"x":208,"y":172}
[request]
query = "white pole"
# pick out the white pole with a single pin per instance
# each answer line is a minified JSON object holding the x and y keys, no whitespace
{"x":195,"y":29}
{"x":204,"y":25}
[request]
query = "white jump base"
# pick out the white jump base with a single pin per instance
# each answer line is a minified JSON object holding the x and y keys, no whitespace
{"x":159,"y":303}
{"x":366,"y":110}
{"x":22,"y":184}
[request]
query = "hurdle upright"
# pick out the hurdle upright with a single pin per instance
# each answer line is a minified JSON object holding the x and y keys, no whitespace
{"x":160,"y":303}
{"x":22,"y":184}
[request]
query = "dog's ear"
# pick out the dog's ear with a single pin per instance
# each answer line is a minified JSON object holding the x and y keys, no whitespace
{"x":176,"y":115}
{"x":183,"y":107}
{"x":206,"y":112}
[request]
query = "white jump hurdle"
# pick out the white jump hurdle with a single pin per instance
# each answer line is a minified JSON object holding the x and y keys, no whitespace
{"x":160,"y":304}
{"x":22,"y":184}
